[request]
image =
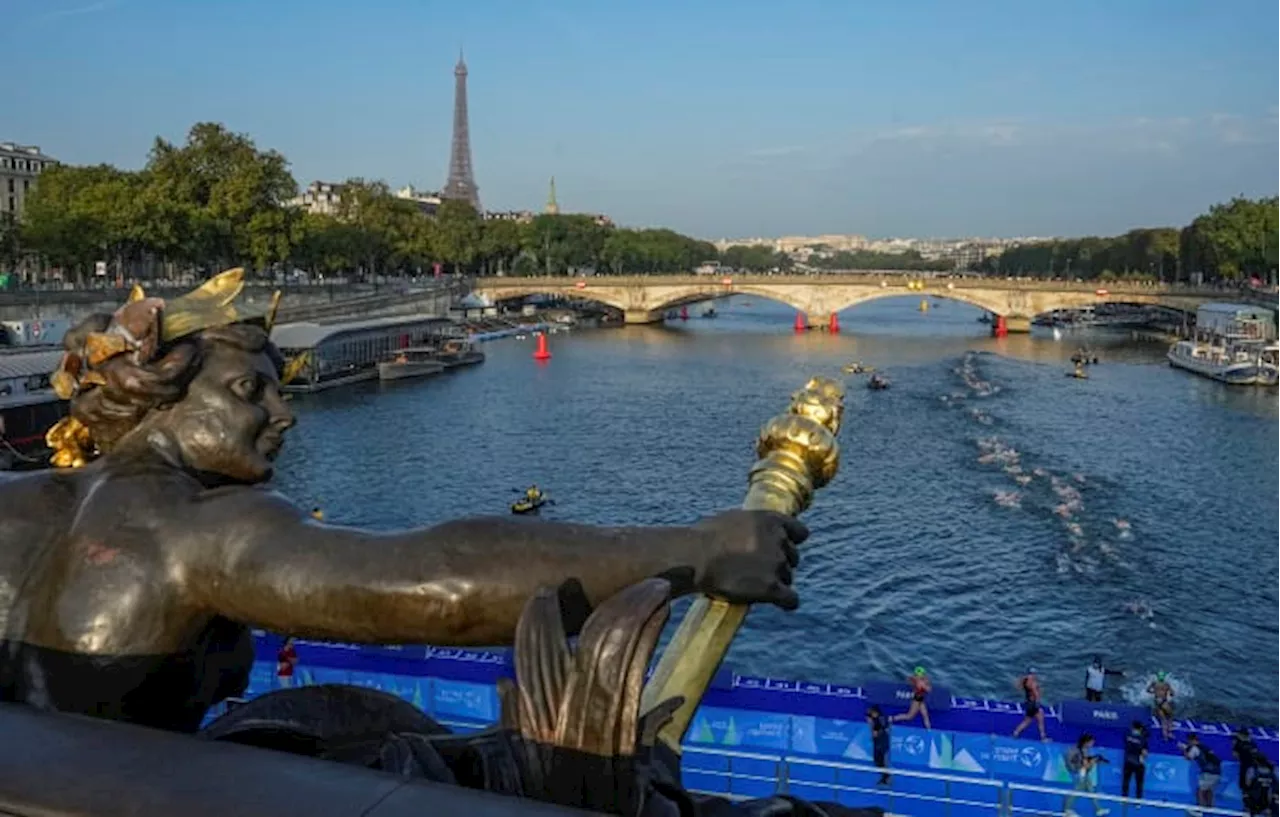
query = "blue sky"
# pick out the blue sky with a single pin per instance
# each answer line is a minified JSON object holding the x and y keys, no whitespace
{"x":720,"y":119}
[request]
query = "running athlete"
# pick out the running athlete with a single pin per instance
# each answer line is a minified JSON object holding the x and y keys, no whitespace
{"x":1162,"y":702}
{"x":1032,"y":711}
{"x":920,"y":689}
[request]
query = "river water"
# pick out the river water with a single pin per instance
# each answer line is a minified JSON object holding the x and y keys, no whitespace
{"x":990,"y":513}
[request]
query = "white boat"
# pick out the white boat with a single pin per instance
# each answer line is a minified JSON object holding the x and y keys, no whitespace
{"x":419,"y":361}
{"x":1233,"y":343}
{"x":1238,"y":364}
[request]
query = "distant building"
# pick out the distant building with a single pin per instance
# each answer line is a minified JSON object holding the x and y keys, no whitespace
{"x":323,"y":198}
{"x":20,"y":165}
{"x":518,"y":216}
{"x":428,"y":203}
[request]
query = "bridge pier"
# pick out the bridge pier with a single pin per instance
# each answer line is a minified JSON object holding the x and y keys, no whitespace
{"x":643,"y":315}
{"x":1015,"y":324}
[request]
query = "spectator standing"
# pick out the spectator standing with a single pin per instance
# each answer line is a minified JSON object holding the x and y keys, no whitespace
{"x":1210,"y":766}
{"x":1245,"y":750}
{"x":1135,"y":759}
{"x":879,"y":741}
{"x":1260,"y":788}
{"x":1083,"y":765}
{"x":286,"y":663}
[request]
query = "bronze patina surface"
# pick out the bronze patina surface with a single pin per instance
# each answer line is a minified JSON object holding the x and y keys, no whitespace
{"x":128,"y":579}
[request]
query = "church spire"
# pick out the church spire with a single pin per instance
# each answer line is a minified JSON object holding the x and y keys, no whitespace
{"x":553,"y":207}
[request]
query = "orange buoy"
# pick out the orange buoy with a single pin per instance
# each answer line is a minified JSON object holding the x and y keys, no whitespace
{"x":833,"y":324}
{"x":542,"y":352}
{"x":802,"y":324}
{"x":684,"y":313}
{"x":1001,"y":327}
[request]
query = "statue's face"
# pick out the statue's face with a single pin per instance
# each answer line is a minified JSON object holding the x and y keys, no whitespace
{"x":232,"y":422}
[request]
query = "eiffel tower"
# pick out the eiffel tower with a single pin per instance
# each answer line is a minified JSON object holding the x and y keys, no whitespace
{"x":462,"y":183}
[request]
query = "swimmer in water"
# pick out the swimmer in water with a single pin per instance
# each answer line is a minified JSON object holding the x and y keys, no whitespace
{"x":1032,"y":711}
{"x":920,"y":689}
{"x":1162,"y":702}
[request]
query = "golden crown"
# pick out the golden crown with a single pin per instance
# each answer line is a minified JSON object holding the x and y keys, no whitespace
{"x":141,"y":327}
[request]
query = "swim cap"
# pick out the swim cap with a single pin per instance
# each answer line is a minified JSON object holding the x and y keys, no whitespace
{"x":1031,"y":670}
{"x":919,"y":670}
{"x":1160,"y":675}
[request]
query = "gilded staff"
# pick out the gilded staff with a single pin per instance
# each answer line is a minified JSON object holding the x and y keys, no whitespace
{"x":798,"y":454}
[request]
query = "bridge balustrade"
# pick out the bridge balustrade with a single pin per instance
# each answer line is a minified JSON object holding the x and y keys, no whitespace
{"x":909,"y":793}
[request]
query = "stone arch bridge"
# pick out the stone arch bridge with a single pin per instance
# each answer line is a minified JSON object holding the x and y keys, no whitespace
{"x":647,"y":298}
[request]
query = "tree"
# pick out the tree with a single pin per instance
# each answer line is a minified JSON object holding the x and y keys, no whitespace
{"x":501,"y":243}
{"x":79,"y":215}
{"x":220,"y":185}
{"x":868,"y":260}
{"x":457,"y":234}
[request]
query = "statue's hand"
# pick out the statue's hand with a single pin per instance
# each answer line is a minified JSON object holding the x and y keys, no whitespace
{"x":752,"y":557}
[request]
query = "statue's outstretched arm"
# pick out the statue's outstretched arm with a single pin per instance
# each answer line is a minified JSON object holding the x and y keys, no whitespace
{"x":262,"y":561}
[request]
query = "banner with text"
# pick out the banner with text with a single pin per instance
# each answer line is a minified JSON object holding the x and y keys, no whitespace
{"x":740,"y":728}
{"x":898,"y":696}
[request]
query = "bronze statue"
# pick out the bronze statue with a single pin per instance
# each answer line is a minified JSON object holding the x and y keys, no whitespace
{"x":573,"y":730}
{"x":129,"y":576}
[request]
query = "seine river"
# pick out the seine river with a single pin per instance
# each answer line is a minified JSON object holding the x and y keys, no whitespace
{"x":989,"y":514}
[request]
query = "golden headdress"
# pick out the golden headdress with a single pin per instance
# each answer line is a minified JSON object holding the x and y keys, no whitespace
{"x":142,"y":328}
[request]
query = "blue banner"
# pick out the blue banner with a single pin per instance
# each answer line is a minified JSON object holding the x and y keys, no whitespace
{"x":828,"y":737}
{"x":460,"y":699}
{"x":747,"y":730}
{"x":971,"y":753}
{"x":919,"y":748}
{"x":898,"y":696}
{"x":416,"y":691}
{"x":1016,"y":759}
{"x":1103,"y":715}
{"x":1169,"y":774}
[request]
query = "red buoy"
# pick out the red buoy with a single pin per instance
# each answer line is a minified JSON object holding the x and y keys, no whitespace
{"x":1000,"y":328}
{"x":542,"y":352}
{"x":802,"y":324}
{"x":684,"y":313}
{"x":833,"y":324}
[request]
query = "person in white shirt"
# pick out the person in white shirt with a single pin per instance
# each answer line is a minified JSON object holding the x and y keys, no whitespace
{"x":1095,"y":679}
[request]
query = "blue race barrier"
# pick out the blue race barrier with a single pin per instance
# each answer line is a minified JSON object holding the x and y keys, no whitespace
{"x":831,"y":738}
{"x":1102,"y":715}
{"x":889,"y":694}
{"x":739,"y":729}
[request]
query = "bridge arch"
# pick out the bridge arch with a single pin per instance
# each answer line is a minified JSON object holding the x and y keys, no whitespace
{"x":608,"y":298}
{"x":692,"y":295}
{"x":956,"y":295}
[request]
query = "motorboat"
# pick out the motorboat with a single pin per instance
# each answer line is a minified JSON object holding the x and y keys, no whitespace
{"x":1078,"y":373}
{"x":419,"y":361}
{"x":878,"y":383}
{"x":455,"y":353}
{"x":709,"y":312}
{"x":858,"y":368}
